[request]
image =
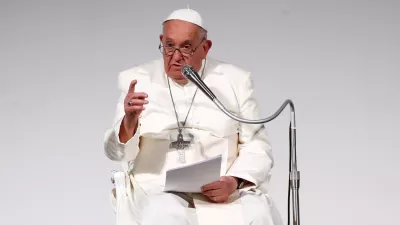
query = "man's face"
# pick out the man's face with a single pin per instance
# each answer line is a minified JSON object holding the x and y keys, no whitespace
{"x":186,"y":37}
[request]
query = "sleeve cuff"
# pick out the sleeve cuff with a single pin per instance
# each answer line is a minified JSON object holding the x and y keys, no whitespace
{"x":255,"y":172}
{"x":249,"y":181}
{"x":117,"y":129}
{"x":118,"y":151}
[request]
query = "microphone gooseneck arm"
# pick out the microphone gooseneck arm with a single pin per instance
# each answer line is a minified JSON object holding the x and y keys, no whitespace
{"x":260,"y":121}
{"x":294,"y":175}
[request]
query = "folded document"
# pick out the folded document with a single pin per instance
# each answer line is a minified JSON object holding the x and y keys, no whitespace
{"x":191,"y":178}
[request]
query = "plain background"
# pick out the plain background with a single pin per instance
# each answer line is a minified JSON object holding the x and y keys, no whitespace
{"x":338,"y":60}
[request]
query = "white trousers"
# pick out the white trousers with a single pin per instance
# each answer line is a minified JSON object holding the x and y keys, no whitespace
{"x":170,"y":209}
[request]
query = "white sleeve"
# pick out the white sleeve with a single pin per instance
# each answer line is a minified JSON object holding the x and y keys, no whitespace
{"x":255,"y":160}
{"x":113,"y":148}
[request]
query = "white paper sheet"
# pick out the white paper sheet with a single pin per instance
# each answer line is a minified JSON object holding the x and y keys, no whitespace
{"x":191,"y":178}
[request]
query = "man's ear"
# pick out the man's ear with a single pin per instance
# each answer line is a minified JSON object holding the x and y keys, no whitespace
{"x":161,"y":37}
{"x":207,"y":46}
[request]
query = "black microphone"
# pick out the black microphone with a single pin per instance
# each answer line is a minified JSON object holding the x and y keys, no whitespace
{"x":191,"y":74}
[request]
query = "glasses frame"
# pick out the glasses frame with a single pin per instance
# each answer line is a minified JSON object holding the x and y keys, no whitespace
{"x":173,"y":49}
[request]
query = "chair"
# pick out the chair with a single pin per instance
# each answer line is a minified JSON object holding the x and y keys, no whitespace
{"x":120,"y":200}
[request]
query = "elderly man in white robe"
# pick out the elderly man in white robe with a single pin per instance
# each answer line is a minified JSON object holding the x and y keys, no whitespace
{"x":159,"y":106}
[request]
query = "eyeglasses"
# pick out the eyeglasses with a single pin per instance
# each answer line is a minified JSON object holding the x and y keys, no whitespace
{"x":185,"y":51}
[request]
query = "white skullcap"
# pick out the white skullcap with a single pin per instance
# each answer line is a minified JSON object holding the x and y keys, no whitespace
{"x":187,"y":15}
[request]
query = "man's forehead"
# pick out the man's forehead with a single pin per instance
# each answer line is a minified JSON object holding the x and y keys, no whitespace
{"x":180,"y":41}
{"x":180,"y":25}
{"x":178,"y":30}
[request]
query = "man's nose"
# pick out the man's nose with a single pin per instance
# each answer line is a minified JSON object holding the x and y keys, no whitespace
{"x":177,"y":56}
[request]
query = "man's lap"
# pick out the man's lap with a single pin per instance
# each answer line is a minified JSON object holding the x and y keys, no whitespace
{"x":166,"y":208}
{"x":258,"y":208}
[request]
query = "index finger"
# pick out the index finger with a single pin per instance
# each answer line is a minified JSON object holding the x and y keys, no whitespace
{"x":132,"y":86}
{"x":211,"y":186}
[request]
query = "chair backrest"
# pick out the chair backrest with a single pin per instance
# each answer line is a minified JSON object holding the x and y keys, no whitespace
{"x":120,"y":199}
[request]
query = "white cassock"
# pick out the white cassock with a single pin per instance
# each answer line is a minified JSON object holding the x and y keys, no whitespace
{"x":245,"y":148}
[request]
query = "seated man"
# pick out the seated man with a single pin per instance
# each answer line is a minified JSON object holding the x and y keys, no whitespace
{"x":158,"y":106}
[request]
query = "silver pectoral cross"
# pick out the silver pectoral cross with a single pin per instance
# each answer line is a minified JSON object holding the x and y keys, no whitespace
{"x":180,"y":145}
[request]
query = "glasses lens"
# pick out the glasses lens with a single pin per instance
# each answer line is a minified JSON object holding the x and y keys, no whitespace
{"x":166,"y":50}
{"x":170,"y":50}
{"x":185,"y":51}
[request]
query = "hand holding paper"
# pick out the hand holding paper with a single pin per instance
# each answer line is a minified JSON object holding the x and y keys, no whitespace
{"x":192,"y":177}
{"x":219,"y":191}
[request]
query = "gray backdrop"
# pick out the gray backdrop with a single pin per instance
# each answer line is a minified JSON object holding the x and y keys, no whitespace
{"x":337,"y":60}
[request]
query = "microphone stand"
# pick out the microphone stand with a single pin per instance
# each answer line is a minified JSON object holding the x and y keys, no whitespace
{"x":294,"y":175}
